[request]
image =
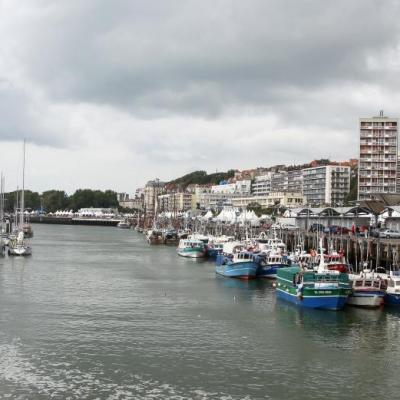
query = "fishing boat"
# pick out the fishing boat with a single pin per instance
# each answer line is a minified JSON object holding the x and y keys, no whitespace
{"x":215,"y":245}
{"x":336,"y":261}
{"x":170,"y":236}
{"x":320,"y":289}
{"x":392,"y":296}
{"x":241,"y":264}
{"x":327,"y":290}
{"x":368,"y":289}
{"x":191,"y":248}
{"x":268,"y":264}
{"x":213,"y":249}
{"x":155,"y":236}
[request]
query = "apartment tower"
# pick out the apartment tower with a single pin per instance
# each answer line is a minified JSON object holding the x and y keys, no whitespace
{"x":377,"y":173}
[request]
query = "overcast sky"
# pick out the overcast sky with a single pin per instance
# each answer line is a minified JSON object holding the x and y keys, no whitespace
{"x":110,"y":94}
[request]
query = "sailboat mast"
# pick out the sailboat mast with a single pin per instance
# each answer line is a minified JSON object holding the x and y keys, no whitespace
{"x":23,"y":188}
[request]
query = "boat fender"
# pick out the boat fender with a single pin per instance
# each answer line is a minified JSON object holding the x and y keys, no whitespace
{"x":299,"y":292}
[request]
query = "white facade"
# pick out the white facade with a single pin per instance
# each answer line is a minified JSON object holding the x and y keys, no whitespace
{"x":239,"y":187}
{"x":328,"y":184}
{"x":285,"y":199}
{"x":262,"y":184}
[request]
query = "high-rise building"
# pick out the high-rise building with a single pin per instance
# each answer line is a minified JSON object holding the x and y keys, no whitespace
{"x":377,"y":170}
{"x":328,"y":184}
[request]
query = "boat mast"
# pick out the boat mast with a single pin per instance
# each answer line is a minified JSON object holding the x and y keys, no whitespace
{"x":1,"y":209}
{"x":21,"y":221}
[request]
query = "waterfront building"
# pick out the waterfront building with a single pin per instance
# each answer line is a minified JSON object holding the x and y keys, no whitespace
{"x":378,"y":165}
{"x":175,"y":202}
{"x":280,"y":181}
{"x":328,"y":184}
{"x":284,"y":199}
{"x":136,"y":203}
{"x":238,"y":187}
{"x":151,"y":191}
{"x":295,"y":180}
{"x":262,"y":184}
{"x":122,"y":197}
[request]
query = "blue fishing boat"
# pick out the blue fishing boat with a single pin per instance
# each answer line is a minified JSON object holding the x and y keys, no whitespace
{"x":268,"y":264}
{"x":240,"y":265}
{"x":213,"y":249}
{"x":392,"y":296}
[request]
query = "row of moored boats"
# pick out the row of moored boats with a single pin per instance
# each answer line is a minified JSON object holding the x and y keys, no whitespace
{"x":308,"y":279}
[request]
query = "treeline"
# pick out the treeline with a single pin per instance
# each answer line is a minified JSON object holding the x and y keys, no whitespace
{"x":53,"y":200}
{"x":202,"y":178}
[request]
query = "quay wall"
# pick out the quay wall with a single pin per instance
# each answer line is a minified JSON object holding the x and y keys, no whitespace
{"x":43,"y":219}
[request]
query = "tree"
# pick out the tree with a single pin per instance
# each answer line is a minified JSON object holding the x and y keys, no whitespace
{"x":32,"y":200}
{"x":54,"y":200}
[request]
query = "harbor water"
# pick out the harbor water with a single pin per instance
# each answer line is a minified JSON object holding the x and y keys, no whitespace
{"x":97,"y":313}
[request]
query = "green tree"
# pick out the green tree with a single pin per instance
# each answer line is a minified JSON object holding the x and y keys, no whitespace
{"x":54,"y":200}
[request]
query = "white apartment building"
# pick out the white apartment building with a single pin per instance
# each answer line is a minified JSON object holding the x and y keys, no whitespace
{"x":328,"y":184}
{"x":284,"y":199}
{"x":262,"y":185}
{"x":378,"y":160}
{"x":239,"y":187}
{"x":295,"y":181}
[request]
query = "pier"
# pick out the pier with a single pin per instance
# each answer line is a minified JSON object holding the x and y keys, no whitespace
{"x":45,"y":219}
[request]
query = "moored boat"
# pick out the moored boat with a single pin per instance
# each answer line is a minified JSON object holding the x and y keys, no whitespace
{"x":123,"y":225}
{"x":18,"y":246}
{"x":268,"y":264}
{"x":191,"y":248}
{"x":321,"y":290}
{"x":392,"y":296}
{"x":368,"y":290}
{"x":242,"y":265}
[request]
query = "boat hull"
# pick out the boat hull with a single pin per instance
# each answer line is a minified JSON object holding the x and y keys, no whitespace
{"x":191,"y":253}
{"x":392,"y":299}
{"x":269,"y":271}
{"x":213,"y":253}
{"x":366,"y":299}
{"x":20,"y":251}
{"x":241,"y":270}
{"x":317,"y":301}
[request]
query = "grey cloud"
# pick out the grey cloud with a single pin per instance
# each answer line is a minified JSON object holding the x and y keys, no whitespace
{"x":196,"y":58}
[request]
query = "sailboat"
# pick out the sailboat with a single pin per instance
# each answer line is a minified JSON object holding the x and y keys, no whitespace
{"x":18,"y":246}
{"x":2,"y":230}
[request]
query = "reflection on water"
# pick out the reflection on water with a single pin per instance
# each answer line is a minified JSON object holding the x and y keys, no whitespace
{"x":98,"y":313}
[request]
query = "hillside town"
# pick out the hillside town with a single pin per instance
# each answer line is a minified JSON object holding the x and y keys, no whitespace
{"x":319,"y":183}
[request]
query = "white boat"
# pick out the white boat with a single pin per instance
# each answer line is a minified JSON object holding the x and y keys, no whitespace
{"x":2,"y":230}
{"x":191,"y":248}
{"x":17,"y":245}
{"x":368,"y":289}
{"x":123,"y":225}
